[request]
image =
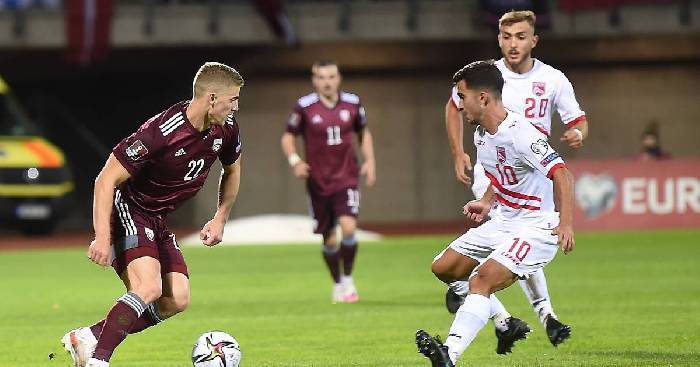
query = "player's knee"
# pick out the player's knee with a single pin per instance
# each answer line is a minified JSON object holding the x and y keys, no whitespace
{"x":149,"y":292}
{"x":180,"y":303}
{"x":442,"y":270}
{"x":479,"y":283}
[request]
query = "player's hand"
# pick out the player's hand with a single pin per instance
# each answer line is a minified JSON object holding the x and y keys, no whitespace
{"x":566,"y":237}
{"x":476,"y":210}
{"x":301,"y":169}
{"x":369,"y":171}
{"x":573,"y":138}
{"x":463,"y":163}
{"x":100,"y":252}
{"x":213,"y":232}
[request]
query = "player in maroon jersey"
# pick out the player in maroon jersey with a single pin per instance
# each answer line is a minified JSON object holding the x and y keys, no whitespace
{"x":147,"y":176}
{"x":327,"y":119}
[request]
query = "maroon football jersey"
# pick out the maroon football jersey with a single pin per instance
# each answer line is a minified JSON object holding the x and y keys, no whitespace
{"x":328,"y":140}
{"x":169,"y":160}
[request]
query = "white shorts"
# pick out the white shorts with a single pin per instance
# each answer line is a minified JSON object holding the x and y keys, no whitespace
{"x":522,"y":248}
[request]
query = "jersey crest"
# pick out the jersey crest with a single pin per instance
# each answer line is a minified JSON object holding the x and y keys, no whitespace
{"x":217,"y":145}
{"x":538,"y":88}
{"x":501,"y":153}
{"x":149,"y":233}
{"x":344,"y":115}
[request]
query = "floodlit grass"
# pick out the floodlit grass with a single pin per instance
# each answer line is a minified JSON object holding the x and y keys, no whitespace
{"x":633,"y":299}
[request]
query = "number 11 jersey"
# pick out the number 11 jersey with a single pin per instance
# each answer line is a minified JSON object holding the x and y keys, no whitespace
{"x":328,"y":140}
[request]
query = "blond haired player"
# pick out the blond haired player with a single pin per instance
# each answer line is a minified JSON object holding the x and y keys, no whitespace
{"x":148,"y":175}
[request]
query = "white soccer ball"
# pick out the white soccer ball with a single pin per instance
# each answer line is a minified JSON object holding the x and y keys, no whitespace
{"x":216,"y":349}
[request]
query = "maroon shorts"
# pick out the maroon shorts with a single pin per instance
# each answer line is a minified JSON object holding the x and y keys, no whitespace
{"x":136,"y":234}
{"x":328,"y":208}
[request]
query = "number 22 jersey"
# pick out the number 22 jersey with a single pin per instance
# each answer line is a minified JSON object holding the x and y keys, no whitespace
{"x":169,"y":159}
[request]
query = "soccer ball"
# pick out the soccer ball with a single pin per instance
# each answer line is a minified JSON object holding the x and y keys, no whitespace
{"x":216,"y":349}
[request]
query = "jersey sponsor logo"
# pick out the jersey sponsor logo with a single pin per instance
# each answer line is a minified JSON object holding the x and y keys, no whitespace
{"x":549,"y":159}
{"x":344,"y":115}
{"x":180,"y":152}
{"x":501,"y":154}
{"x":293,"y":120}
{"x":538,"y":88}
{"x":316,"y":119}
{"x":149,"y":233}
{"x":171,"y":124}
{"x":540,"y":147}
{"x":217,"y":145}
{"x":136,"y":150}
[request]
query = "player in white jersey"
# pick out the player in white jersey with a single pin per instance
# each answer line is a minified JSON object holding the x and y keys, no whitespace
{"x":527,"y":177}
{"x":533,"y":89}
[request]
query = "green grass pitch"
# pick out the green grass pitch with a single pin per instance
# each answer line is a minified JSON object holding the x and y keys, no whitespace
{"x":633,"y":299}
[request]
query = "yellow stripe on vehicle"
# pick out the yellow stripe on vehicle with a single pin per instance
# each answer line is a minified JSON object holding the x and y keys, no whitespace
{"x":35,"y":190}
{"x":4,"y":88}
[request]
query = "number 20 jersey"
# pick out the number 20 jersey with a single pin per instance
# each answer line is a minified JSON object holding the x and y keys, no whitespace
{"x":519,"y":162}
{"x":536,"y":94}
{"x":169,"y":159}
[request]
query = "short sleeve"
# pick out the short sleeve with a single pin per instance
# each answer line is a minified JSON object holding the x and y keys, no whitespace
{"x":231,"y":151}
{"x":361,"y":119}
{"x":296,"y":121}
{"x":140,"y":148}
{"x":534,"y":148}
{"x":567,"y":106}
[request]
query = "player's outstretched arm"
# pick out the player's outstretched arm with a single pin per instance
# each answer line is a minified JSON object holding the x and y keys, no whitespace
{"x":213,"y":231}
{"x":112,"y":174}
{"x":575,"y":135}
{"x":455,"y":135}
{"x":368,"y":169}
{"x":299,"y":167}
{"x":564,"y":200}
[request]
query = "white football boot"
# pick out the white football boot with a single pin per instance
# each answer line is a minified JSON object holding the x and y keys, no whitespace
{"x":80,"y":344}
{"x":338,"y":293}
{"x":349,"y":291}
{"x":96,"y":363}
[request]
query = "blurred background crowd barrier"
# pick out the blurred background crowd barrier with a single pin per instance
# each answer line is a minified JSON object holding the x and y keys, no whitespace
{"x":89,"y":72}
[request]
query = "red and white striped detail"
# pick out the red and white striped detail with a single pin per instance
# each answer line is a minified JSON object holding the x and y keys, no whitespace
{"x":575,"y":121}
{"x":531,"y":202}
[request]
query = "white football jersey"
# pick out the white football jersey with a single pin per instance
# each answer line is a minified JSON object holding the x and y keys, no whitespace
{"x":534,"y":95}
{"x":519,"y":162}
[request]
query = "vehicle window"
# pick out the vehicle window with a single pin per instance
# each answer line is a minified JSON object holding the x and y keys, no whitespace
{"x":13,"y":120}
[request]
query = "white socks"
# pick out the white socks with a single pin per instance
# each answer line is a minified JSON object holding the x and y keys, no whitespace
{"x":470,"y":318}
{"x":535,"y":288}
{"x":498,"y":312}
{"x":460,"y":287}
